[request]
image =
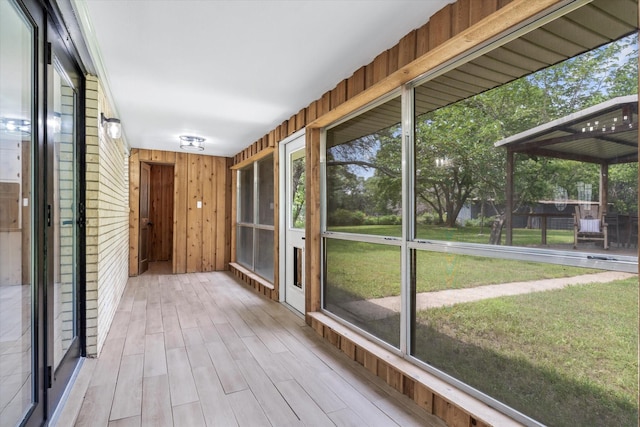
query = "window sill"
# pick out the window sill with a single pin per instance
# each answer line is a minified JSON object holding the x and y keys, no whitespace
{"x":437,"y":397}
{"x":253,"y":276}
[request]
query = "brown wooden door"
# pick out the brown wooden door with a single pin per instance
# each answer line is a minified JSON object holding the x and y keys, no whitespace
{"x":145,"y":185}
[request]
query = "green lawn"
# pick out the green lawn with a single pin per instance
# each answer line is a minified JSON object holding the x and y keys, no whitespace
{"x":566,"y":357}
{"x":521,"y":236}
{"x":367,"y":270}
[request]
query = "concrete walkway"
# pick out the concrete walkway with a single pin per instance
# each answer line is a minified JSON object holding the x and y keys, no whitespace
{"x":380,"y":308}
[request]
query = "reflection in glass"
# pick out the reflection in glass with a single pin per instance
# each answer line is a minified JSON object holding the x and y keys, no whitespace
{"x":532,"y":335}
{"x":265,"y":191}
{"x":254,"y":243}
{"x":364,"y":171}
{"x":565,"y":143}
{"x":64,"y":216}
{"x":16,"y":212}
{"x":245,"y":246}
{"x":297,"y":189}
{"x":245,"y":198}
{"x":264,"y":254}
{"x":362,"y":286}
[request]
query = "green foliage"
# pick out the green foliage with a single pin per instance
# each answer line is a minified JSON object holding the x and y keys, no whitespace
{"x":428,"y":218}
{"x":346,"y":217}
{"x":480,"y":221}
{"x":383,"y":220}
{"x":455,"y":157}
{"x":623,"y":187}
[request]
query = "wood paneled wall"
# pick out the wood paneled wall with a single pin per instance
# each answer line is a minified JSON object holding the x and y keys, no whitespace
{"x":161,"y":213}
{"x":201,"y":235}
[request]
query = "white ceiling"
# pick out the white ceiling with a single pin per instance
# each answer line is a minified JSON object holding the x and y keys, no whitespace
{"x":231,"y":71}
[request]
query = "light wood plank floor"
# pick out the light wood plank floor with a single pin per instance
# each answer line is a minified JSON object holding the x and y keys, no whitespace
{"x":202,"y":349}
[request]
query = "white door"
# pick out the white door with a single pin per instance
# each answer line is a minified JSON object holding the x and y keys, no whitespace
{"x":294,"y":184}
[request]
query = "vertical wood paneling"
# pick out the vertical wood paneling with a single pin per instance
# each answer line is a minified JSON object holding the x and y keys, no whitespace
{"x":422,"y":40}
{"x":440,"y":26}
{"x":223,"y":213}
{"x":180,"y":214}
{"x":380,"y":67}
{"x":291,"y":125}
{"x":194,"y":214}
{"x":26,"y":237}
{"x":339,"y":94}
{"x":167,"y":240}
{"x":145,"y":155}
{"x":481,"y":9}
{"x":312,"y":111}
{"x":423,"y":397}
{"x":209,"y":203}
{"x":460,"y":15}
{"x":392,"y":59}
{"x":301,"y":119}
{"x":201,"y":239}
{"x":356,"y":83}
{"x":234,"y":214}
{"x":407,"y":49}
{"x":134,"y":205}
{"x":312,"y":229}
{"x":325,"y":104}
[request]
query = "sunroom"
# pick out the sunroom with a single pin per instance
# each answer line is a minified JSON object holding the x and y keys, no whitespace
{"x":406,"y":248}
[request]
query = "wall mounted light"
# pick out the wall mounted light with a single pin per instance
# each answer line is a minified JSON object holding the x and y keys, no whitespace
{"x":191,"y":143}
{"x":112,"y":126}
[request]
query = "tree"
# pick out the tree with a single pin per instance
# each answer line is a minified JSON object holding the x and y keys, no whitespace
{"x":455,"y":157}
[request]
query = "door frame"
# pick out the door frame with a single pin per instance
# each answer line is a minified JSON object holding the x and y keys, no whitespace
{"x":69,"y":64}
{"x":283,"y":214}
{"x":143,"y":264}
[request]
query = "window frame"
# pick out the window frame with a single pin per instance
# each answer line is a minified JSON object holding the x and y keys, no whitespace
{"x":254,"y":225}
{"x":409,"y":242}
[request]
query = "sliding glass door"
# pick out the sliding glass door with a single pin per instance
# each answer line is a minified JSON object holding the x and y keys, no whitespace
{"x":40,"y":215}
{"x":64,"y":222}
{"x":20,"y":342}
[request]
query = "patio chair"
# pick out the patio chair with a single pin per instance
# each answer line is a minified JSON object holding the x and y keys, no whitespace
{"x":589,"y":226}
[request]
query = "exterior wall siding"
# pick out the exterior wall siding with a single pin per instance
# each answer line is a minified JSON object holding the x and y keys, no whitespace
{"x":107,"y":213}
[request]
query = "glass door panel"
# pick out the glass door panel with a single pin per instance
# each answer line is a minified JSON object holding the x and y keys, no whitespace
{"x":16,"y":225}
{"x":295,"y":230}
{"x":64,"y":216}
{"x":64,"y":222}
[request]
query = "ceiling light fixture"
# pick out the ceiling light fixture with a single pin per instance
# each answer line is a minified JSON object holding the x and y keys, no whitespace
{"x":112,"y":126}
{"x":191,"y":143}
{"x":15,"y":125}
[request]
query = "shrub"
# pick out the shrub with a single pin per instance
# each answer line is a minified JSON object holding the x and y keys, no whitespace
{"x":475,"y":222}
{"x":346,"y":217}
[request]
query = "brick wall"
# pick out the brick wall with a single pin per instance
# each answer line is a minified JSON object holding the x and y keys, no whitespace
{"x":107,"y":178}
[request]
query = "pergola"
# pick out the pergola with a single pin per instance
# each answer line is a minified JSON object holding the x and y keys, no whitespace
{"x":605,"y":134}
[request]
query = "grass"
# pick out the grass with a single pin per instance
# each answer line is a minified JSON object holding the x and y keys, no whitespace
{"x":566,"y":357}
{"x":367,"y":270}
{"x":521,"y":236}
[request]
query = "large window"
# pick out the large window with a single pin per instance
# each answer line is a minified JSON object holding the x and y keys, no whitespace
{"x":254,"y":247}
{"x":364,"y":213}
{"x":484,"y":224}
